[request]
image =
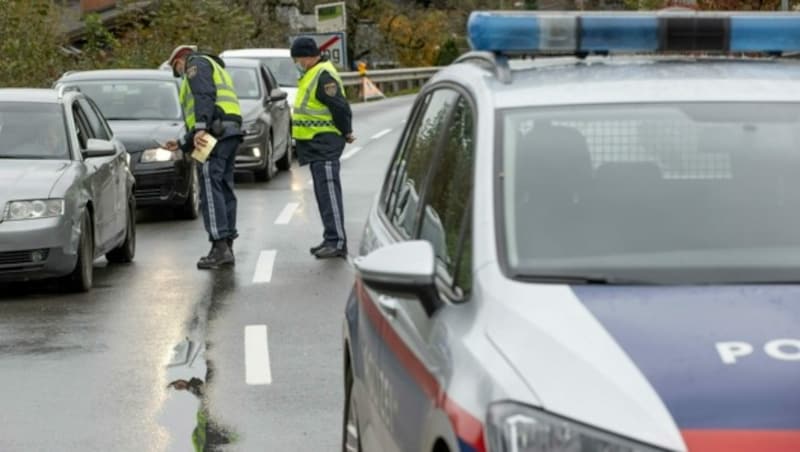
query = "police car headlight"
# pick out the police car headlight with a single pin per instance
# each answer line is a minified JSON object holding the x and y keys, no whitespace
{"x":160,"y":155}
{"x":33,"y":209}
{"x":253,"y":128}
{"x":513,"y":427}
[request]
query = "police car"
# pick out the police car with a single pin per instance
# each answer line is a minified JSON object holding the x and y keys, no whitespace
{"x":595,"y":247}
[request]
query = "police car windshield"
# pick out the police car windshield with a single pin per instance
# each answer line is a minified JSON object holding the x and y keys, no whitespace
{"x":134,"y":99}
{"x":245,"y":82}
{"x":32,"y":131}
{"x":675,"y":193}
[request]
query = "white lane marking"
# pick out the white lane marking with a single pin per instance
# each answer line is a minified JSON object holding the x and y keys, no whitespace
{"x":256,"y":355}
{"x":380,"y":134}
{"x":266,"y":261}
{"x":351,"y":152}
{"x":286,"y":215}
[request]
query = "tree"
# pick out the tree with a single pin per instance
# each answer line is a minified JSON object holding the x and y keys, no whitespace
{"x":29,"y":42}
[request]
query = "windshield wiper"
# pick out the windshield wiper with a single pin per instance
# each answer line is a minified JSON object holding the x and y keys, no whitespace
{"x":582,"y":279}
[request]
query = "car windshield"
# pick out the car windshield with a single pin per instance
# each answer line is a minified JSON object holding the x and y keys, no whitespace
{"x":245,"y":82}
{"x":134,"y":99}
{"x":32,"y":131}
{"x":283,"y":69}
{"x":662,"y":193}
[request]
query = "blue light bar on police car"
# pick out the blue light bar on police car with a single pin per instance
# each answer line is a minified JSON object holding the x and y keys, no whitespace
{"x":600,"y":32}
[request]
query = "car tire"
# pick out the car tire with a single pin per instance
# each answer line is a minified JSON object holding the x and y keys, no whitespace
{"x":268,"y":171}
{"x":124,"y":253}
{"x":80,"y":280}
{"x":190,"y":210}
{"x":351,"y":438}
{"x":285,"y":162}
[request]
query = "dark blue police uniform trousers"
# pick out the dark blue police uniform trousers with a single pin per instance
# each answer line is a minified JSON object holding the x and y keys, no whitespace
{"x":328,"y":191}
{"x":217,"y":199}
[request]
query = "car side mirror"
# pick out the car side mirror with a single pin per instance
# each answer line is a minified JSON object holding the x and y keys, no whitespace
{"x":99,"y":148}
{"x":405,"y":268}
{"x":277,"y":95}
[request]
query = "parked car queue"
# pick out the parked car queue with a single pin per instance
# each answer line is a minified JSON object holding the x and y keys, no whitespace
{"x":80,"y":158}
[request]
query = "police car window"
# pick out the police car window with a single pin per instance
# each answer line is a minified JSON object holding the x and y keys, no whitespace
{"x":416,"y":161}
{"x":94,"y":120}
{"x":696,"y":192}
{"x":447,"y":195}
{"x":389,"y":195}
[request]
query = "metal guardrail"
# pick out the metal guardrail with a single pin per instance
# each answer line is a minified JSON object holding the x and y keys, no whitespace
{"x":392,"y":80}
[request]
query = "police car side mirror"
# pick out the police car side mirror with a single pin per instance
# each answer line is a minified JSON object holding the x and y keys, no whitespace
{"x":403,"y":269}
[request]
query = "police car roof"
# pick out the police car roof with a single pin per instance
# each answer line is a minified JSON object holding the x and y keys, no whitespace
{"x":634,"y":79}
{"x":118,"y":74}
{"x":29,"y":95}
{"x":241,"y":62}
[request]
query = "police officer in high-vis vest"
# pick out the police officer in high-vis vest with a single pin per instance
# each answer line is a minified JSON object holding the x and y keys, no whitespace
{"x":321,"y":126}
{"x":211,"y":107}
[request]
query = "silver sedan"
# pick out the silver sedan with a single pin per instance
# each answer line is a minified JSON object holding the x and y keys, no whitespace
{"x":66,"y":191}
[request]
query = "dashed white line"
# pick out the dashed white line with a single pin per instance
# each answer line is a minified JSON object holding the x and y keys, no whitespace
{"x":256,"y":355}
{"x":351,"y":153}
{"x":380,"y":134}
{"x":266,"y":261}
{"x":286,"y":215}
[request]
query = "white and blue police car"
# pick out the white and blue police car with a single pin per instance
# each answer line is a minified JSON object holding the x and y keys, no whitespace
{"x":593,"y":247}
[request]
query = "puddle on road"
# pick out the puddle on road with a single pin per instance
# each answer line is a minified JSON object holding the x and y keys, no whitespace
{"x":184,"y":413}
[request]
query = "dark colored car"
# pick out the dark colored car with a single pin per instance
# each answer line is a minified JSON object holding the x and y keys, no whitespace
{"x":266,"y":115}
{"x":143,"y":110}
{"x":66,"y":192}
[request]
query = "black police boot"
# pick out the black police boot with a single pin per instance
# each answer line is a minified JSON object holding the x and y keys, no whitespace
{"x":211,"y":250}
{"x":327,"y":252}
{"x":221,"y":256}
{"x":314,"y":249}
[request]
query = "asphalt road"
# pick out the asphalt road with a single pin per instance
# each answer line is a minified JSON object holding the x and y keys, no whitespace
{"x":158,"y":344}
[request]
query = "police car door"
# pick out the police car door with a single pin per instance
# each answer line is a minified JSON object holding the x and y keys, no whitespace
{"x":431,"y":195}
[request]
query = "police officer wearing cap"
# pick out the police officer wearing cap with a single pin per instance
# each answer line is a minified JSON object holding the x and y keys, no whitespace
{"x":211,"y":108}
{"x":321,"y":126}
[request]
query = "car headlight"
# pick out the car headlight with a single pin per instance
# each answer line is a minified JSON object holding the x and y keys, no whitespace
{"x":159,"y":155}
{"x":513,"y":427}
{"x":37,"y":208}
{"x":253,"y":128}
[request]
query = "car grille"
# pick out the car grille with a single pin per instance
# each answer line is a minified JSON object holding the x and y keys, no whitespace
{"x":22,"y":257}
{"x":148,"y":194}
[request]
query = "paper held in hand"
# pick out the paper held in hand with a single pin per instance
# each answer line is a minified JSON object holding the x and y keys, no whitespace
{"x":201,"y":154}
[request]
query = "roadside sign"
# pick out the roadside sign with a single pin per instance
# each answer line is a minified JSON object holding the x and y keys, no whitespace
{"x":333,"y":45}
{"x":331,"y":17}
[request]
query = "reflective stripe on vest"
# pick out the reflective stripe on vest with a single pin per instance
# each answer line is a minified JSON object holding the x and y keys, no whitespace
{"x":227,"y":100}
{"x":310,"y":116}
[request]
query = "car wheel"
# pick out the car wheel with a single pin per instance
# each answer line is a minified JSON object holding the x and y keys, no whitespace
{"x":80,"y":280}
{"x":190,"y":210}
{"x":285,"y":162}
{"x":125,"y":252}
{"x":268,"y":171}
{"x":351,"y":438}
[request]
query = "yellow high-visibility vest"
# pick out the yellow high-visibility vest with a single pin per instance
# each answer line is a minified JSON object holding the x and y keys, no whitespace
{"x":227,"y":99}
{"x":310,"y":116}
